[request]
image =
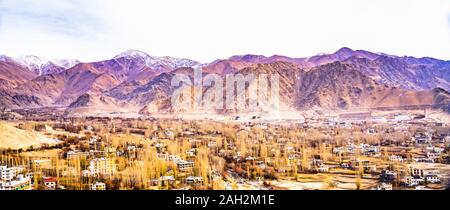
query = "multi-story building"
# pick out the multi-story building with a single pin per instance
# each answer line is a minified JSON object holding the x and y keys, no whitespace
{"x":185,"y":165}
{"x":77,"y":154}
{"x":7,"y":174}
{"x":417,"y":172}
{"x":21,"y":183}
{"x":102,"y":166}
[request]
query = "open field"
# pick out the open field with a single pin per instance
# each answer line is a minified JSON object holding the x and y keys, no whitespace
{"x":14,"y":138}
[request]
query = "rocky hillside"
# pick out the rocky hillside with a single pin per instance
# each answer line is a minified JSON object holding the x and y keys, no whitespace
{"x":136,"y":81}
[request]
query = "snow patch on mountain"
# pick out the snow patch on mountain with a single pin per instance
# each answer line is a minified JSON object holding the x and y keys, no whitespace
{"x":156,"y":62}
{"x":42,"y":66}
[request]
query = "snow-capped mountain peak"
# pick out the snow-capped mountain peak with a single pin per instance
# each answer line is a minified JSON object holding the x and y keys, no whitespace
{"x":157,"y":63}
{"x":132,"y":54}
{"x":64,"y":63}
{"x":42,"y":66}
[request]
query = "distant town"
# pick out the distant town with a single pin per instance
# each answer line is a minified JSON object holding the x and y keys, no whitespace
{"x":382,"y":150}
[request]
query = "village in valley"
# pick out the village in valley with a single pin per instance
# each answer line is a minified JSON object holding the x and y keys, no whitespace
{"x":349,"y":151}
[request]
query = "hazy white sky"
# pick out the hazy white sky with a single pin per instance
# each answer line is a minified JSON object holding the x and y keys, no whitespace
{"x":204,"y":30}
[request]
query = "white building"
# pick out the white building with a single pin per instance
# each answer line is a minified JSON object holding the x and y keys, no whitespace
{"x":396,"y":158}
{"x":7,"y":174}
{"x":194,"y":180}
{"x":184,"y":165}
{"x":21,"y":183}
{"x":412,"y":182}
{"x":97,"y":186}
{"x":384,"y":186}
{"x":417,"y":172}
{"x":433,"y":155}
{"x":323,"y":168}
{"x":432,"y":179}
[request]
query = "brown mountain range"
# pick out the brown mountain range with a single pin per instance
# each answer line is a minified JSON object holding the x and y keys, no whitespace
{"x":346,"y":79}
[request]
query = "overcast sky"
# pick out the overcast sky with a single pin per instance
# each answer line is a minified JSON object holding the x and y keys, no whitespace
{"x":205,"y":30}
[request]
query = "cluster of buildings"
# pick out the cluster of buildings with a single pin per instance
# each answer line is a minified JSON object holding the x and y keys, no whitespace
{"x":282,"y":152}
{"x":419,"y":176}
{"x":182,"y":165}
{"x":364,"y":149}
{"x":15,"y":178}
{"x":416,"y":177}
{"x":12,"y":179}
